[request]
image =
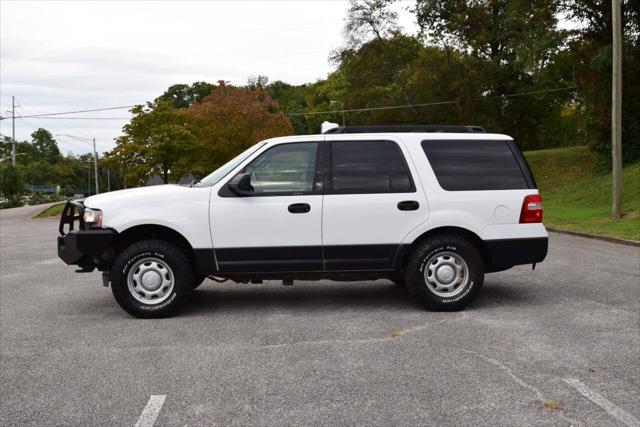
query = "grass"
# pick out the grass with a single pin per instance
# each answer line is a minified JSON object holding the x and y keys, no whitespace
{"x":51,"y":212}
{"x":551,"y":405}
{"x":577,"y":193}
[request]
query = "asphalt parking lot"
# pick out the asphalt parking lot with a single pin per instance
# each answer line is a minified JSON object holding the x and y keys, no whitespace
{"x":559,"y":345}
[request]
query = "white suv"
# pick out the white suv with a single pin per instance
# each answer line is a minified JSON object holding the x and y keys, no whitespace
{"x":430,"y":207}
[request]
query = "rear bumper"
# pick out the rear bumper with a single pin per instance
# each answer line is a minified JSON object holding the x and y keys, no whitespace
{"x":84,"y":247}
{"x":505,"y":253}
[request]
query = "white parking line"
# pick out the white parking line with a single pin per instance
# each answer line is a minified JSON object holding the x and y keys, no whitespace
{"x":48,"y":261}
{"x":151,"y":411}
{"x":613,"y":410}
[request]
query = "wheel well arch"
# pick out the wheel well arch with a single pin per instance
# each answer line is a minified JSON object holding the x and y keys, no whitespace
{"x":469,"y":235}
{"x":153,"y":231}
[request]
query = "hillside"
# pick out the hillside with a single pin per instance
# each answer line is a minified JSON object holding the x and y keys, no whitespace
{"x":577,"y":193}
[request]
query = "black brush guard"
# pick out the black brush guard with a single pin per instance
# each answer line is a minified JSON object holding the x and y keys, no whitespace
{"x":73,"y":211}
{"x":80,"y":246}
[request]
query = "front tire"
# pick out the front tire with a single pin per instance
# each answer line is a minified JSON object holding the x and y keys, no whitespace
{"x":444,"y":273}
{"x":198,"y":280}
{"x":151,"y":279}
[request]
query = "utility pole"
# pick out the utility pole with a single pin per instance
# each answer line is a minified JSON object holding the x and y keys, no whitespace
{"x":616,"y":110}
{"x":108,"y":180}
{"x":88,"y":180}
{"x":95,"y":154}
{"x":13,"y":131}
{"x":95,"y":164}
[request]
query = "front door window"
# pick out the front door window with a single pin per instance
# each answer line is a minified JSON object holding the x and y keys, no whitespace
{"x":286,"y":168}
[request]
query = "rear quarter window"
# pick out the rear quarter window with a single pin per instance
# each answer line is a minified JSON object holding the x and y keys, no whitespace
{"x":472,"y":165}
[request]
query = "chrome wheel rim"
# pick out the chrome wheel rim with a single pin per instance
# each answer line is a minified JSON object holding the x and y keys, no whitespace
{"x":150,"y":280}
{"x":446,"y":274}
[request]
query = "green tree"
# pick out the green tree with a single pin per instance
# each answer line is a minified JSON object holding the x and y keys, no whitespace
{"x":11,"y":186}
{"x":45,"y":146}
{"x":367,"y":19}
{"x":184,"y":96}
{"x":254,"y":82}
{"x":5,"y":147}
{"x":374,"y":20}
{"x":587,"y":63}
{"x":378,"y":74}
{"x":156,"y":141}
{"x":291,"y":99}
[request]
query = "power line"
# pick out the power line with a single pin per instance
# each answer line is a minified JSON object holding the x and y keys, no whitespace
{"x":456,"y":101}
{"x":64,"y":133}
{"x":301,"y":113}
{"x":80,"y":118}
{"x":41,"y":116}
{"x":75,"y":112}
{"x":77,"y":138}
{"x":533,"y":92}
{"x":55,"y":128}
{"x":355,"y":110}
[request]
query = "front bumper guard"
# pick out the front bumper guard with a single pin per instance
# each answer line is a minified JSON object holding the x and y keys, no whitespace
{"x":83,"y":247}
{"x":80,"y":246}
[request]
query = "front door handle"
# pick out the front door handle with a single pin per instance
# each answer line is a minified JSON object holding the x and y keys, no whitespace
{"x":299,"y":208}
{"x":408,"y":205}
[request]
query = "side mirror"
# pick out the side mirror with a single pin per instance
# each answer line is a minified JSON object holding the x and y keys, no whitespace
{"x":241,"y":184}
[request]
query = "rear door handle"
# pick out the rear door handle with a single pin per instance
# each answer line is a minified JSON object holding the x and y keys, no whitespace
{"x":299,"y":208}
{"x":408,"y":205}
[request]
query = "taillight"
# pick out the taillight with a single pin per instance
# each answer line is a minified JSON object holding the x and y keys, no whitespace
{"x":531,"y":209}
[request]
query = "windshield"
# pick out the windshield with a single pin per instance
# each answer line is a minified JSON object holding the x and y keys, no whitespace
{"x":215,"y":177}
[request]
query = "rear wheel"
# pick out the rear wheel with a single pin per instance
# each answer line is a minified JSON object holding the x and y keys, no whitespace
{"x":151,"y":278}
{"x":444,"y":272}
{"x":398,"y":280}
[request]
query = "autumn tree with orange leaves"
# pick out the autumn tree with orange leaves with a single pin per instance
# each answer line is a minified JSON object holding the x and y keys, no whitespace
{"x":229,"y":121}
{"x":173,"y":142}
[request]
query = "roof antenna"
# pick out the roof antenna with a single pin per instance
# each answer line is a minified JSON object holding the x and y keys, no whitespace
{"x":327,"y":126}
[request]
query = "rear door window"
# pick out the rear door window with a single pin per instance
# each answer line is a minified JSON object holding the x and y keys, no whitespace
{"x":470,"y":165}
{"x":368,"y":167}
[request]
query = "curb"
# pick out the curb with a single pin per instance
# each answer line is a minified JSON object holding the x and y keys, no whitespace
{"x":595,"y":237}
{"x":44,"y":206}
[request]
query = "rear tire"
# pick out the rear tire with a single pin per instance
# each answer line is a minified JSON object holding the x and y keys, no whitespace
{"x":444,"y":273}
{"x":398,"y":280}
{"x":151,"y":279}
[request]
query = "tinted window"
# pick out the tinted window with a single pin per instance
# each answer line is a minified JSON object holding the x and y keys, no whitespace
{"x":474,"y":165}
{"x":400,"y":178}
{"x":368,"y":167}
{"x":284,"y":168}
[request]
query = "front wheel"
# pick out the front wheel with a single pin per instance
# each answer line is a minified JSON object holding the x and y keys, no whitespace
{"x":444,"y":273}
{"x":198,"y":280}
{"x":151,"y":278}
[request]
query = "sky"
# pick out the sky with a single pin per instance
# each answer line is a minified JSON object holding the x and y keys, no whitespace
{"x":67,"y":56}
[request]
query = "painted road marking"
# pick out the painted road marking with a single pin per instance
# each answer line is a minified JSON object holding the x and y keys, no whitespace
{"x":613,"y":410}
{"x":48,"y":261}
{"x":151,"y":411}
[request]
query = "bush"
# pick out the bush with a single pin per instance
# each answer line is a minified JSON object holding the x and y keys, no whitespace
{"x":39,"y":198}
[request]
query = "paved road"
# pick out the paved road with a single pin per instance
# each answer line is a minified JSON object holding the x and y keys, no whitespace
{"x":559,"y":345}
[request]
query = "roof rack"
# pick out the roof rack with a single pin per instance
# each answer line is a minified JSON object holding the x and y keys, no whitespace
{"x":406,"y":129}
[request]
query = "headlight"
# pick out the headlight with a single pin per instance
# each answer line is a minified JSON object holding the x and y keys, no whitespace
{"x":92,"y":218}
